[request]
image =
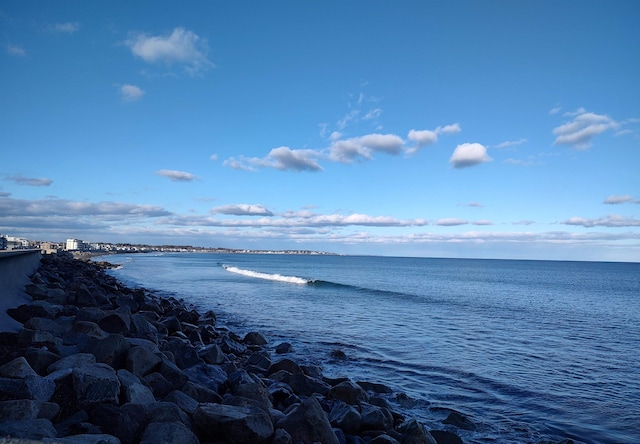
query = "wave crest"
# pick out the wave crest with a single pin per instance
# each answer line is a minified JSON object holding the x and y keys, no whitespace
{"x":270,"y":277}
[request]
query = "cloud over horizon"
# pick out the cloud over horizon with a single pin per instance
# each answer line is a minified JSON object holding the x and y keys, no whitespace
{"x":30,"y":181}
{"x":242,"y":210}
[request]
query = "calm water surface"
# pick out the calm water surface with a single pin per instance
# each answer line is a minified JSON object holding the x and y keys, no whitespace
{"x":529,"y":350}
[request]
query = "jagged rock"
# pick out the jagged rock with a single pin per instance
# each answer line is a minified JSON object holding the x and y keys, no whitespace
{"x":210,"y":376}
{"x":17,"y":368}
{"x":228,"y":345}
{"x":132,"y":390}
{"x":95,"y":383}
{"x":40,"y":359}
{"x":239,"y":425}
{"x":308,"y":423}
{"x":348,"y":392}
{"x":281,"y":436}
{"x":414,"y":433}
{"x":212,"y":354}
{"x":40,"y":309}
{"x":315,"y":371}
{"x":172,"y":324}
{"x":460,"y":421}
{"x":255,"y":391}
{"x":259,"y":362}
{"x":23,"y":409}
{"x":72,"y":361}
{"x":142,"y":328}
{"x":375,"y":418}
{"x":158,"y":384}
{"x":255,"y":338}
{"x":201,"y":393}
{"x":166,"y":412}
{"x":32,"y":387}
{"x":186,"y":403}
{"x":88,"y":328}
{"x":176,"y":377}
{"x":384,"y":439}
{"x":141,"y":360}
{"x":126,"y":422}
{"x":445,"y":437}
{"x":111,"y":351}
{"x":28,"y":429}
{"x":283,"y":348}
{"x":170,"y":432}
{"x":27,"y":336}
{"x":306,"y":386}
{"x":375,"y":387}
{"x":90,"y":314}
{"x":185,"y":354}
{"x":345,"y":417}
{"x":56,"y":328}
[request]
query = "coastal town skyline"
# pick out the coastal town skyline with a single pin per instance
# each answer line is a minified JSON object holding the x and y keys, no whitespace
{"x":482,"y":130}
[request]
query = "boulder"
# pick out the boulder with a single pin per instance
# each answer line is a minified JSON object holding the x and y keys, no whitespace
{"x":95,"y":384}
{"x":36,"y":429}
{"x":126,"y":422}
{"x":375,"y":418}
{"x":345,"y":417}
{"x":170,"y":432}
{"x":116,"y":322}
{"x":255,"y":338}
{"x":283,"y":348}
{"x":306,"y":386}
{"x":414,"y":433}
{"x":308,"y":423}
{"x":32,"y":387}
{"x":207,"y":375}
{"x":141,"y":360}
{"x":185,"y":354}
{"x":72,"y":361}
{"x":133,"y":390}
{"x":24,"y":409}
{"x":348,"y":392}
{"x":237,"y":425}
{"x":445,"y":437}
{"x":40,"y":359}
{"x":286,"y":365}
{"x":111,"y":350}
{"x":158,"y":384}
{"x":212,"y":354}
{"x":17,"y":368}
{"x":460,"y":421}
{"x":86,"y":438}
{"x":201,"y":393}
{"x":186,"y":403}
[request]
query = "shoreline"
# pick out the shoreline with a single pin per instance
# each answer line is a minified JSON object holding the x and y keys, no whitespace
{"x":158,"y":368}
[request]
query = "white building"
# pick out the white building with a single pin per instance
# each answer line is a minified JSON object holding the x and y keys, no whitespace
{"x":3,"y":242}
{"x":76,"y":245}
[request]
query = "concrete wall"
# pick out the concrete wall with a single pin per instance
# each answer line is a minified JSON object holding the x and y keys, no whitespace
{"x":15,"y":269}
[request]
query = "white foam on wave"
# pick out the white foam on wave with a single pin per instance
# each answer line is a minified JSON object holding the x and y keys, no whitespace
{"x":271,"y":277}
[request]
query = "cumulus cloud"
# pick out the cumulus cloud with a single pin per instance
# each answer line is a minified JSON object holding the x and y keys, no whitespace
{"x":65,"y":28}
{"x":469,"y":154}
{"x":281,"y":158}
{"x":423,"y":137}
{"x":242,"y":210}
{"x":182,"y":47}
{"x":131,"y":93}
{"x":30,"y":181}
{"x":358,"y":148}
{"x":449,"y":129}
{"x":615,"y":200}
{"x":580,"y":131}
{"x":177,"y":176}
{"x":15,"y":50}
{"x":612,"y":221}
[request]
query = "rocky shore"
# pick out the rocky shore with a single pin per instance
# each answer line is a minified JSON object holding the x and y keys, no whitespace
{"x":97,"y":362}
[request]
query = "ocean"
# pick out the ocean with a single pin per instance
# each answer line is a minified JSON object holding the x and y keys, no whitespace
{"x":530,"y":351}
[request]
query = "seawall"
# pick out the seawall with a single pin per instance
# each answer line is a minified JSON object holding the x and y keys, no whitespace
{"x":15,"y":269}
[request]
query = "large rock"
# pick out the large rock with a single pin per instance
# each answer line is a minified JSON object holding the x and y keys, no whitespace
{"x":169,"y":432}
{"x":40,"y":359}
{"x":133,"y":390}
{"x":73,"y":361}
{"x":345,"y":417}
{"x":237,"y":425}
{"x":209,"y":376}
{"x":212,"y":354}
{"x":185,"y":354}
{"x":116,"y":322}
{"x":111,"y":351}
{"x":22,"y":409}
{"x":31,"y":387}
{"x":375,"y":418}
{"x":142,"y":361}
{"x":445,"y":437}
{"x":17,"y":368}
{"x":126,"y":422}
{"x":95,"y":384}
{"x":186,"y":403}
{"x":414,"y":433}
{"x":87,"y":438}
{"x":348,"y":392}
{"x":308,"y":423}
{"x":37,"y":429}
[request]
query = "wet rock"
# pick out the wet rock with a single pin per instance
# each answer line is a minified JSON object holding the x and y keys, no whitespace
{"x":414,"y":433}
{"x":348,"y":392}
{"x":259,"y":362}
{"x":345,"y":417}
{"x":171,"y":432}
{"x":228,"y":345}
{"x":460,"y":421}
{"x":212,"y":354}
{"x":287,"y":365}
{"x":375,"y":418}
{"x":283,"y":348}
{"x":255,"y":338}
{"x":239,"y":425}
{"x":306,"y":385}
{"x":308,"y":423}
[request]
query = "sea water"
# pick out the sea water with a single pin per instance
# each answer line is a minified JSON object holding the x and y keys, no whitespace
{"x":528,"y":350}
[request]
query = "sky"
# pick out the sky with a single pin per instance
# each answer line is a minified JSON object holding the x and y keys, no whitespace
{"x":476,"y":129}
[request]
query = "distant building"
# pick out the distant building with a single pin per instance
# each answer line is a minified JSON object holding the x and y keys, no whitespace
{"x":3,"y":242}
{"x":17,"y":243}
{"x":50,"y":247}
{"x":76,"y":245}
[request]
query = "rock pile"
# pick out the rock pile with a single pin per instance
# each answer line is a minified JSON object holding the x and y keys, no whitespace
{"x":97,"y":362}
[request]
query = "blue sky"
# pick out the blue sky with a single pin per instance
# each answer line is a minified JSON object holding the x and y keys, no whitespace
{"x":494,"y":129}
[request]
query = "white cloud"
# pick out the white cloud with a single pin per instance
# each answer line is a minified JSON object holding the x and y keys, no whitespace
{"x":66,"y":28}
{"x":469,"y":154}
{"x":612,"y":221}
{"x":30,"y":181}
{"x":509,"y":143}
{"x":482,"y":222}
{"x":423,"y":137}
{"x":351,"y":115}
{"x":614,"y":200}
{"x":180,"y":47}
{"x":213,"y":157}
{"x":555,"y":110}
{"x":131,"y":93}
{"x":15,"y":50}
{"x":242,"y":210}
{"x":69,"y":208}
{"x":177,"y":176}
{"x":373,"y":114}
{"x":282,"y":158}
{"x":350,"y":150}
{"x":451,"y":222}
{"x":579,"y":132}
{"x":449,"y":129}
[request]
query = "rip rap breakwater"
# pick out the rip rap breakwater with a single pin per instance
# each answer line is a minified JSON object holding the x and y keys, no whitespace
{"x":97,"y":362}
{"x":15,"y":269}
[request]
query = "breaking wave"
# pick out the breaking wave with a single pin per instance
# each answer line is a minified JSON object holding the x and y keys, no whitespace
{"x":270,"y":277}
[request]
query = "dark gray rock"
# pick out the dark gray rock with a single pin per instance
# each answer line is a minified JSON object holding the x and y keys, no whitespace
{"x":185,"y":354}
{"x":286,"y":365}
{"x":345,"y":417}
{"x":142,"y":328}
{"x":98,"y":438}
{"x":414,"y":433}
{"x":126,"y":423}
{"x":17,"y":368}
{"x":201,"y":393}
{"x":259,"y":362}
{"x":169,"y":432}
{"x":283,"y":348}
{"x":95,"y":384}
{"x":238,"y":425}
{"x":306,"y":386}
{"x":308,"y":423}
{"x":40,"y":359}
{"x":176,"y":377}
{"x":142,"y":361}
{"x":133,"y":390}
{"x":27,"y":336}
{"x":348,"y":392}
{"x":23,"y":409}
{"x":255,"y":338}
{"x":281,"y":436}
{"x":88,"y":328}
{"x":28,"y":429}
{"x":90,"y":314}
{"x":32,"y":387}
{"x":72,"y":361}
{"x":55,"y":327}
{"x":228,"y":345}
{"x":186,"y":403}
{"x":207,"y":375}
{"x":111,"y":351}
{"x":116,"y":322}
{"x":460,"y":421}
{"x":375,"y":387}
{"x":158,"y":384}
{"x":384,"y":439}
{"x":212,"y":354}
{"x":375,"y":418}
